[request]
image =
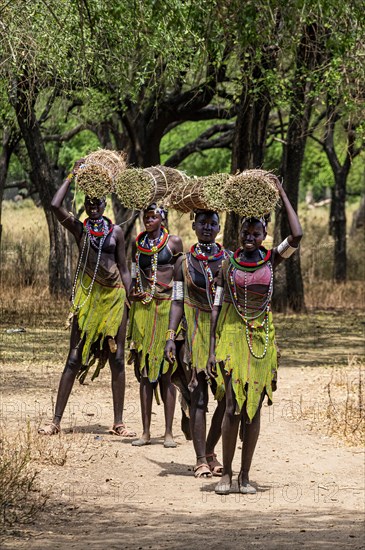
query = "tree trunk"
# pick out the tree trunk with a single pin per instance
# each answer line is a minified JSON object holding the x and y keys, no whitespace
{"x":4,"y":165}
{"x":338,"y":223}
{"x":289,"y":290}
{"x":248,"y":147}
{"x":45,"y":182}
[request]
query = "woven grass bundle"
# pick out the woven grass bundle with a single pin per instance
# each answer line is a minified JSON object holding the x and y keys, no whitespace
{"x":96,"y":175}
{"x":113,"y":161}
{"x":186,"y":194}
{"x":213,"y":191}
{"x":137,"y":188}
{"x":250,"y":193}
{"x":204,"y":193}
{"x":94,"y":180}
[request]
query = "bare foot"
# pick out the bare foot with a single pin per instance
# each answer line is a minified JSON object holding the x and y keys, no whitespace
{"x":224,"y":485}
{"x":169,"y":442}
{"x":244,"y":485}
{"x":145,"y":439}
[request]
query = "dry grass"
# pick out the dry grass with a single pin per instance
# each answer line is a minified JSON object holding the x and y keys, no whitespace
{"x":20,"y":495}
{"x":24,"y":258}
{"x":345,"y":412}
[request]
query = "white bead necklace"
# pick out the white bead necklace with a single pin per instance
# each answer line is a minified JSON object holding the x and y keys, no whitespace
{"x":245,"y":316}
{"x":88,"y":288}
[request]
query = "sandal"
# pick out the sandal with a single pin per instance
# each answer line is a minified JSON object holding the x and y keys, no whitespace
{"x":121,"y":431}
{"x":215,"y":466}
{"x":202,"y":470}
{"x":50,"y":429}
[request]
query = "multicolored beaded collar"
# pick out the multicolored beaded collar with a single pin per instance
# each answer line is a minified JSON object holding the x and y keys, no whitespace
{"x":250,"y":266}
{"x":97,"y":227}
{"x":142,"y":241}
{"x":197,"y":253}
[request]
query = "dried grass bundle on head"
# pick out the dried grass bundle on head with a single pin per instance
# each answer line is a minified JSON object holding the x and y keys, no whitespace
{"x":204,"y":193}
{"x":96,"y":175}
{"x":213,"y":191}
{"x":114,"y":162}
{"x":186,"y":193}
{"x":251,"y":193}
{"x":136,"y":188}
{"x":94,"y":180}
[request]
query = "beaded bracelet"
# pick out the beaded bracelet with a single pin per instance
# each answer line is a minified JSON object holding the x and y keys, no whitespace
{"x":170,"y":335}
{"x":70,"y":177}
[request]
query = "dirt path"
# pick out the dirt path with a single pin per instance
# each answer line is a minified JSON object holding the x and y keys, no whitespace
{"x":111,"y":495}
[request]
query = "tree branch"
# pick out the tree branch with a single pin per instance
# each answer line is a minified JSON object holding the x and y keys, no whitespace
{"x":70,"y":134}
{"x":203,"y":142}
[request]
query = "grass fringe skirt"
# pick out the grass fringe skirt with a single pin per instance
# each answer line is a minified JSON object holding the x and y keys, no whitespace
{"x":250,"y":376}
{"x":148,"y":324}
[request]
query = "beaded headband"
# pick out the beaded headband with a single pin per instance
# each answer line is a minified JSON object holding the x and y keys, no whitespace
{"x":253,"y":218}
{"x":157,"y":210}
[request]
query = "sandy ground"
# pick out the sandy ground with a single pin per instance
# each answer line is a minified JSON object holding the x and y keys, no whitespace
{"x":109,"y":494}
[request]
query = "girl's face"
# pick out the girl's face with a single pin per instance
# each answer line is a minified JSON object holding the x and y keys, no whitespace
{"x":206,"y":227}
{"x":152,"y":221}
{"x":94,"y":207}
{"x":251,"y":236}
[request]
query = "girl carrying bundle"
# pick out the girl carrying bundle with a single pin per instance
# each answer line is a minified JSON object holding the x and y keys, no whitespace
{"x":243,"y":337}
{"x":155,"y":253}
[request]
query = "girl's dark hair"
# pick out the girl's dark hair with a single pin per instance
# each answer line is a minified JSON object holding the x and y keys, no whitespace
{"x":254,"y":219}
{"x":208,"y":212}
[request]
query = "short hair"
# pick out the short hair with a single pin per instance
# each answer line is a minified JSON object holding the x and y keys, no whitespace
{"x":207,"y":212}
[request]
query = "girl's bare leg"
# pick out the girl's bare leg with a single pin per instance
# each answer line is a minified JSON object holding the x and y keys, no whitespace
{"x":168,"y":394}
{"x":230,"y":427}
{"x":72,"y":367}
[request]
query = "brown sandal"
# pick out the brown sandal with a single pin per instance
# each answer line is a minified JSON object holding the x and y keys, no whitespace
{"x":50,"y":429}
{"x":202,"y":470}
{"x":215,"y":466}
{"x":122,"y":431}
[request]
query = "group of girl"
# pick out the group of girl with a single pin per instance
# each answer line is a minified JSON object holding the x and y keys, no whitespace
{"x":196,"y":320}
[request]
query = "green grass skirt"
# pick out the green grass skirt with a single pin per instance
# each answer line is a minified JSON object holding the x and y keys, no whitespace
{"x":148,"y":324}
{"x":100,"y":316}
{"x":250,"y":376}
{"x":197,"y":342}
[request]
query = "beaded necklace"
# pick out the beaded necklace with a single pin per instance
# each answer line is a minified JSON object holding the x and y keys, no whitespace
{"x":97,"y":228}
{"x":90,"y":237}
{"x":245,"y":315}
{"x":250,"y":266}
{"x":204,"y":260}
{"x":150,"y":247}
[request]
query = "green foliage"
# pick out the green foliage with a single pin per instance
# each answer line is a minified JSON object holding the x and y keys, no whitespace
{"x":80,"y":146}
{"x":198,"y":164}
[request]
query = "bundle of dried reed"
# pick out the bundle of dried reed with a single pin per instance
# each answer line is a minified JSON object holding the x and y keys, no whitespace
{"x":250,"y":193}
{"x":94,"y":180}
{"x":137,"y":188}
{"x":100,"y":168}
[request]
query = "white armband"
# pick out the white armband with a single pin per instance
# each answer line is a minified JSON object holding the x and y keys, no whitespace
{"x":285,"y":250}
{"x":133,"y":270}
{"x":178,"y":291}
{"x":218,"y":298}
